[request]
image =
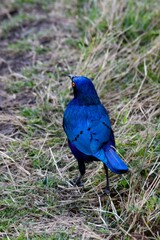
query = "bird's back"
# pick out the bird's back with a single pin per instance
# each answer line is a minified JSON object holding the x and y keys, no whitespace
{"x":87,"y":127}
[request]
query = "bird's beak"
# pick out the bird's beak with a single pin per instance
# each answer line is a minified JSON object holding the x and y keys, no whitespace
{"x":71,"y":76}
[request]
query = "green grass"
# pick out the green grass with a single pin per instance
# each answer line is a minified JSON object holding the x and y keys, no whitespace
{"x":44,"y":5}
{"x":18,"y":86}
{"x":23,"y":46}
{"x":118,"y":46}
{"x":20,"y":46}
{"x":17,"y":20}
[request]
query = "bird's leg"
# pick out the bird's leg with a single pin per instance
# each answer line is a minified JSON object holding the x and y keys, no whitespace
{"x":77,"y":181}
{"x":107,"y":189}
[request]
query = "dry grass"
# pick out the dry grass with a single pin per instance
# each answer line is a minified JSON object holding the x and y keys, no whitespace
{"x":117,"y":44}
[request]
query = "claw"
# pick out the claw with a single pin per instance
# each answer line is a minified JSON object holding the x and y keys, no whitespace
{"x":107,"y":191}
{"x":77,"y":182}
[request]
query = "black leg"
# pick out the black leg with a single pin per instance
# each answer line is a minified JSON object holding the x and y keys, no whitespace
{"x":82,"y":169}
{"x":107,"y":189}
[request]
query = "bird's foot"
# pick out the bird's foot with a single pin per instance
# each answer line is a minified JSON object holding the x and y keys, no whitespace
{"x":106,"y":191}
{"x":77,"y":182}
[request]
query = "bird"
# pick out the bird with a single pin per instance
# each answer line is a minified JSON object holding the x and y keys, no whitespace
{"x":89,"y":132}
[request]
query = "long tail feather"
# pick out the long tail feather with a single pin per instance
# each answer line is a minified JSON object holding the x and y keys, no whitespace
{"x":114,"y":162}
{"x":111,"y":159}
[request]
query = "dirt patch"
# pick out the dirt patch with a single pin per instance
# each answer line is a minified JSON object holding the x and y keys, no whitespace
{"x":7,"y":11}
{"x":27,"y":28}
{"x":10,"y":101}
{"x":44,"y":37}
{"x":7,"y":129}
{"x":10,"y":123}
{"x":13,"y":62}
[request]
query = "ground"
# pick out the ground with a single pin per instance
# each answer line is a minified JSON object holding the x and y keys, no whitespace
{"x":115,"y":43}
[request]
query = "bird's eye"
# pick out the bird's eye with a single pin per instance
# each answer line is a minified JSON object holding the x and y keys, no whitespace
{"x":73,"y":84}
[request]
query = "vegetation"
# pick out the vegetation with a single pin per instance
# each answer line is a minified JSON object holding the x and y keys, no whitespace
{"x":117,"y":43}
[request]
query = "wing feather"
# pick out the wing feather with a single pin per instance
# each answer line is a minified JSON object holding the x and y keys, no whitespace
{"x":87,"y":127}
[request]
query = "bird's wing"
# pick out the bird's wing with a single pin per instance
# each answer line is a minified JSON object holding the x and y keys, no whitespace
{"x":87,"y":127}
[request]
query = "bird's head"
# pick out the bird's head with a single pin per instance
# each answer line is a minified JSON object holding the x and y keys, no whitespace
{"x":84,"y":90}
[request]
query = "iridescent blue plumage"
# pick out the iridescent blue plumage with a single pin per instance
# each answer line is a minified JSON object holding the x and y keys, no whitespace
{"x":88,"y":129}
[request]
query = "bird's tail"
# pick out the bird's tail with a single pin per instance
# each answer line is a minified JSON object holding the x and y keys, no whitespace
{"x":114,"y":162}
